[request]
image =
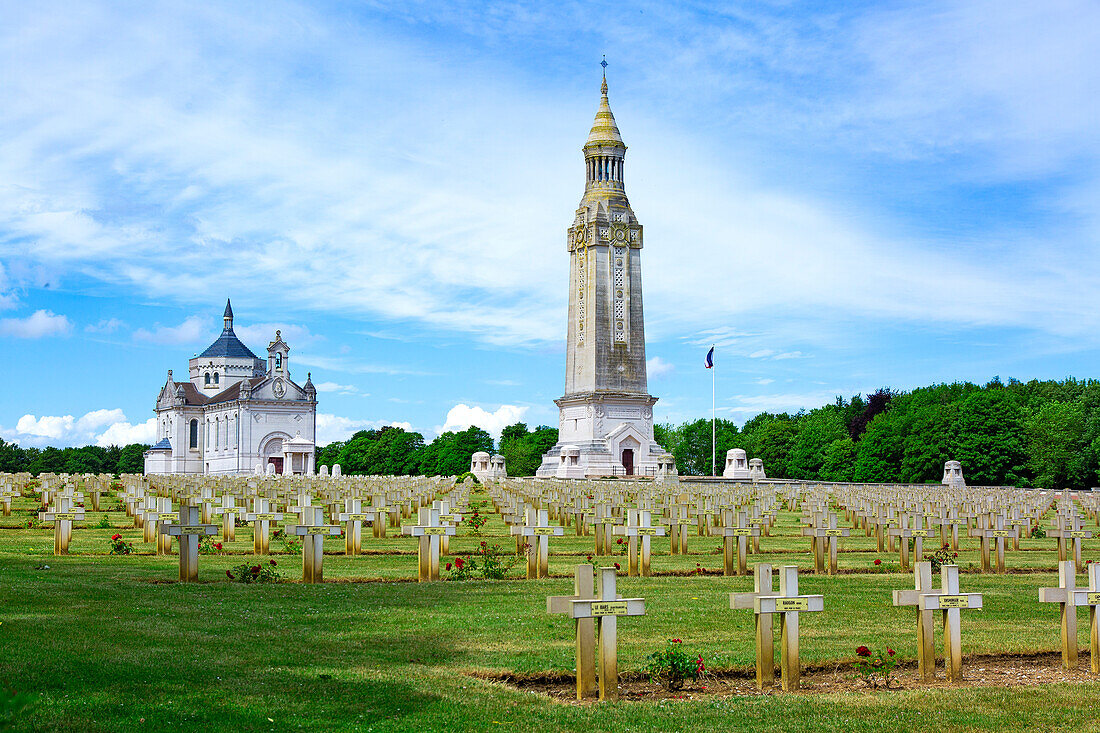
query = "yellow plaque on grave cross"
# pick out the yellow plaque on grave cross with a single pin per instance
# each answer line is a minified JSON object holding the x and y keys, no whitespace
{"x":192,"y":529}
{"x":792,"y":604}
{"x":448,"y":517}
{"x":266,"y":518}
{"x":834,"y":533}
{"x":920,"y":532}
{"x":317,"y":530}
{"x":358,"y":517}
{"x":1092,"y":599}
{"x":1001,"y":533}
{"x":650,"y":531}
{"x":435,"y":530}
{"x":544,"y":531}
{"x":609,"y":608}
{"x":1078,"y":533}
{"x":740,"y":531}
{"x":65,"y":515}
{"x":954,"y":601}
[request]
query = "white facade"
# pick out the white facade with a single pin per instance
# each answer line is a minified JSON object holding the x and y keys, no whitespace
{"x":606,"y":415}
{"x":737,"y":464}
{"x":237,"y":414}
{"x":953,"y":475}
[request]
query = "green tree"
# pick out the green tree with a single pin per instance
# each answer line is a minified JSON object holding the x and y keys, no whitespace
{"x":1057,"y":446}
{"x":840,"y":459}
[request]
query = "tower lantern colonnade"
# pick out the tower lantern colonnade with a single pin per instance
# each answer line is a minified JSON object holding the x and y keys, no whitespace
{"x":606,"y":413}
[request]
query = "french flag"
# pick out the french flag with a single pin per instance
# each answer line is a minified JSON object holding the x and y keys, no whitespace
{"x":710,"y":358}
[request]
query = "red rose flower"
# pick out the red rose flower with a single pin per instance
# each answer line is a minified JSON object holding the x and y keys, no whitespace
{"x":862,"y":651}
{"x":676,"y":641}
{"x":448,"y":566}
{"x":618,"y":567}
{"x":217,"y":545}
{"x":255,"y":569}
{"x":878,"y":562}
{"x":115,"y":537}
{"x":273,"y":563}
{"x":229,"y":574}
{"x":459,"y":562}
{"x":890,"y":651}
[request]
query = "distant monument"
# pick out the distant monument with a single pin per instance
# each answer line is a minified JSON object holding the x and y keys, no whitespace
{"x":953,"y":475}
{"x":606,"y":415}
{"x":737,"y":464}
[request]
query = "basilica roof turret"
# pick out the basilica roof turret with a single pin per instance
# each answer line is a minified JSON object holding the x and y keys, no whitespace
{"x":227,"y":344}
{"x":604,"y":130}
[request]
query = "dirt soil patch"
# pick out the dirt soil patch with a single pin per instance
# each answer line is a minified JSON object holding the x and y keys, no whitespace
{"x":993,"y":670}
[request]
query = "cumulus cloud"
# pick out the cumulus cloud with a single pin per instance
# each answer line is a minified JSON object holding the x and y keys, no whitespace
{"x":193,"y":329}
{"x":102,"y":427}
{"x":40,"y":324}
{"x":105,"y":325}
{"x":336,"y":388}
{"x":463,"y":416}
{"x":658,"y":367}
{"x":332,"y":428}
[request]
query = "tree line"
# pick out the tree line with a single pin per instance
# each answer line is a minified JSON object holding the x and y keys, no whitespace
{"x":87,"y":459}
{"x":1037,"y":433}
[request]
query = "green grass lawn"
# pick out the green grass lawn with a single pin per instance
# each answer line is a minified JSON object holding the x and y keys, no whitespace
{"x":105,"y":643}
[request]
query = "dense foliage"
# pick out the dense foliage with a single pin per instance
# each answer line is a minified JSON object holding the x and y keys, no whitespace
{"x":1023,"y":434}
{"x":394,"y":451}
{"x":89,"y":459}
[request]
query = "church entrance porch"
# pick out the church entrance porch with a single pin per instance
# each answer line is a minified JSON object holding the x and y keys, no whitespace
{"x":278,"y":463}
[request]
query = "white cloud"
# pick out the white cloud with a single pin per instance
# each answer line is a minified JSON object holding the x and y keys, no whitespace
{"x":336,"y":388}
{"x":123,"y":433}
{"x":331,"y":428}
{"x":658,"y":367}
{"x":193,"y":329}
{"x":761,"y":354}
{"x":463,"y":416}
{"x":764,"y":381}
{"x":783,"y":402}
{"x":37,"y":325}
{"x":103,"y":427}
{"x":105,"y":325}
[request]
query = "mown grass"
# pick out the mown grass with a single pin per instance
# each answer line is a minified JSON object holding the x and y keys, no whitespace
{"x":105,"y":644}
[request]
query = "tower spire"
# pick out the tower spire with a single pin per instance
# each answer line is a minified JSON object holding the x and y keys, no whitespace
{"x":603,"y":87}
{"x":227,"y":317}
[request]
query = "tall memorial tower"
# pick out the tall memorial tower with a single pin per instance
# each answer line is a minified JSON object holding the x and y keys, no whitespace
{"x":606,"y":415}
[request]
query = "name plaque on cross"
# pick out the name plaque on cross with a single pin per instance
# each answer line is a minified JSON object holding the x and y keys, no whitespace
{"x":739,"y":531}
{"x":834,"y":533}
{"x":954,"y":601}
{"x":435,"y":530}
{"x":317,"y":530}
{"x":920,"y":532}
{"x":1002,"y":533}
{"x":792,"y":604}
{"x":648,"y":531}
{"x":544,"y":531}
{"x":266,"y":517}
{"x":1084,"y":534}
{"x":1093,"y":599}
{"x":609,"y":608}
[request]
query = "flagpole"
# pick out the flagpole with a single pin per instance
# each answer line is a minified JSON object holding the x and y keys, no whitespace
{"x":713,"y":460}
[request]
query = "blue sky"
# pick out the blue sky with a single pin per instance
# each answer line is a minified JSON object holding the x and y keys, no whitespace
{"x":841,"y":196}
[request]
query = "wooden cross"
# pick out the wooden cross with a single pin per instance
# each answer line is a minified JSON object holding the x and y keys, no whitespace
{"x":950,"y":601}
{"x":765,"y":634}
{"x":1091,"y":598}
{"x":926,"y":645}
{"x":788,"y":603}
{"x":1072,"y":532}
{"x":606,"y":608}
{"x":903,"y":533}
{"x":228,"y":510}
{"x":827,"y":538}
{"x":447,"y":515}
{"x":353,"y":517}
{"x":735,"y":536}
{"x":378,"y":504}
{"x":189,"y":529}
{"x":536,"y":528}
{"x":1065,"y":595}
{"x":313,"y":531}
{"x":639,"y":527}
{"x":63,"y":514}
{"x":583,"y":589}
{"x":678,"y":522}
{"x":998,"y":534}
{"x":261,"y":525}
{"x":429,"y":530}
{"x":604,"y":521}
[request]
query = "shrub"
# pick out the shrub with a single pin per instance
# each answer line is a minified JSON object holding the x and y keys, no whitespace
{"x":462,"y":478}
{"x":121,"y":547}
{"x":104,"y":522}
{"x":490,"y":562}
{"x":672,"y":665}
{"x":248,"y":573}
{"x":207,"y":546}
{"x":940,"y":557}
{"x":475,"y":521}
{"x":874,"y":668}
{"x":1038,"y":533}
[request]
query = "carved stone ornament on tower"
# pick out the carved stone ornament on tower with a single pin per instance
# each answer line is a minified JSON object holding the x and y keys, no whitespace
{"x":606,"y":413}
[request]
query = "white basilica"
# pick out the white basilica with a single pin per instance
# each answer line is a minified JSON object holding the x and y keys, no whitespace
{"x":237,"y":414}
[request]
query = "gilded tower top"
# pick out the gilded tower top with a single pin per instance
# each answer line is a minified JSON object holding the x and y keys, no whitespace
{"x":604,"y":130}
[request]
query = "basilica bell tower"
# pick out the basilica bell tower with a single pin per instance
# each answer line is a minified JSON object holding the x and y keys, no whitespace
{"x":606,"y":414}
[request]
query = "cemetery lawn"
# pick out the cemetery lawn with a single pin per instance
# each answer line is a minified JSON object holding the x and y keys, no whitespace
{"x":109,"y":643}
{"x":101,"y":646}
